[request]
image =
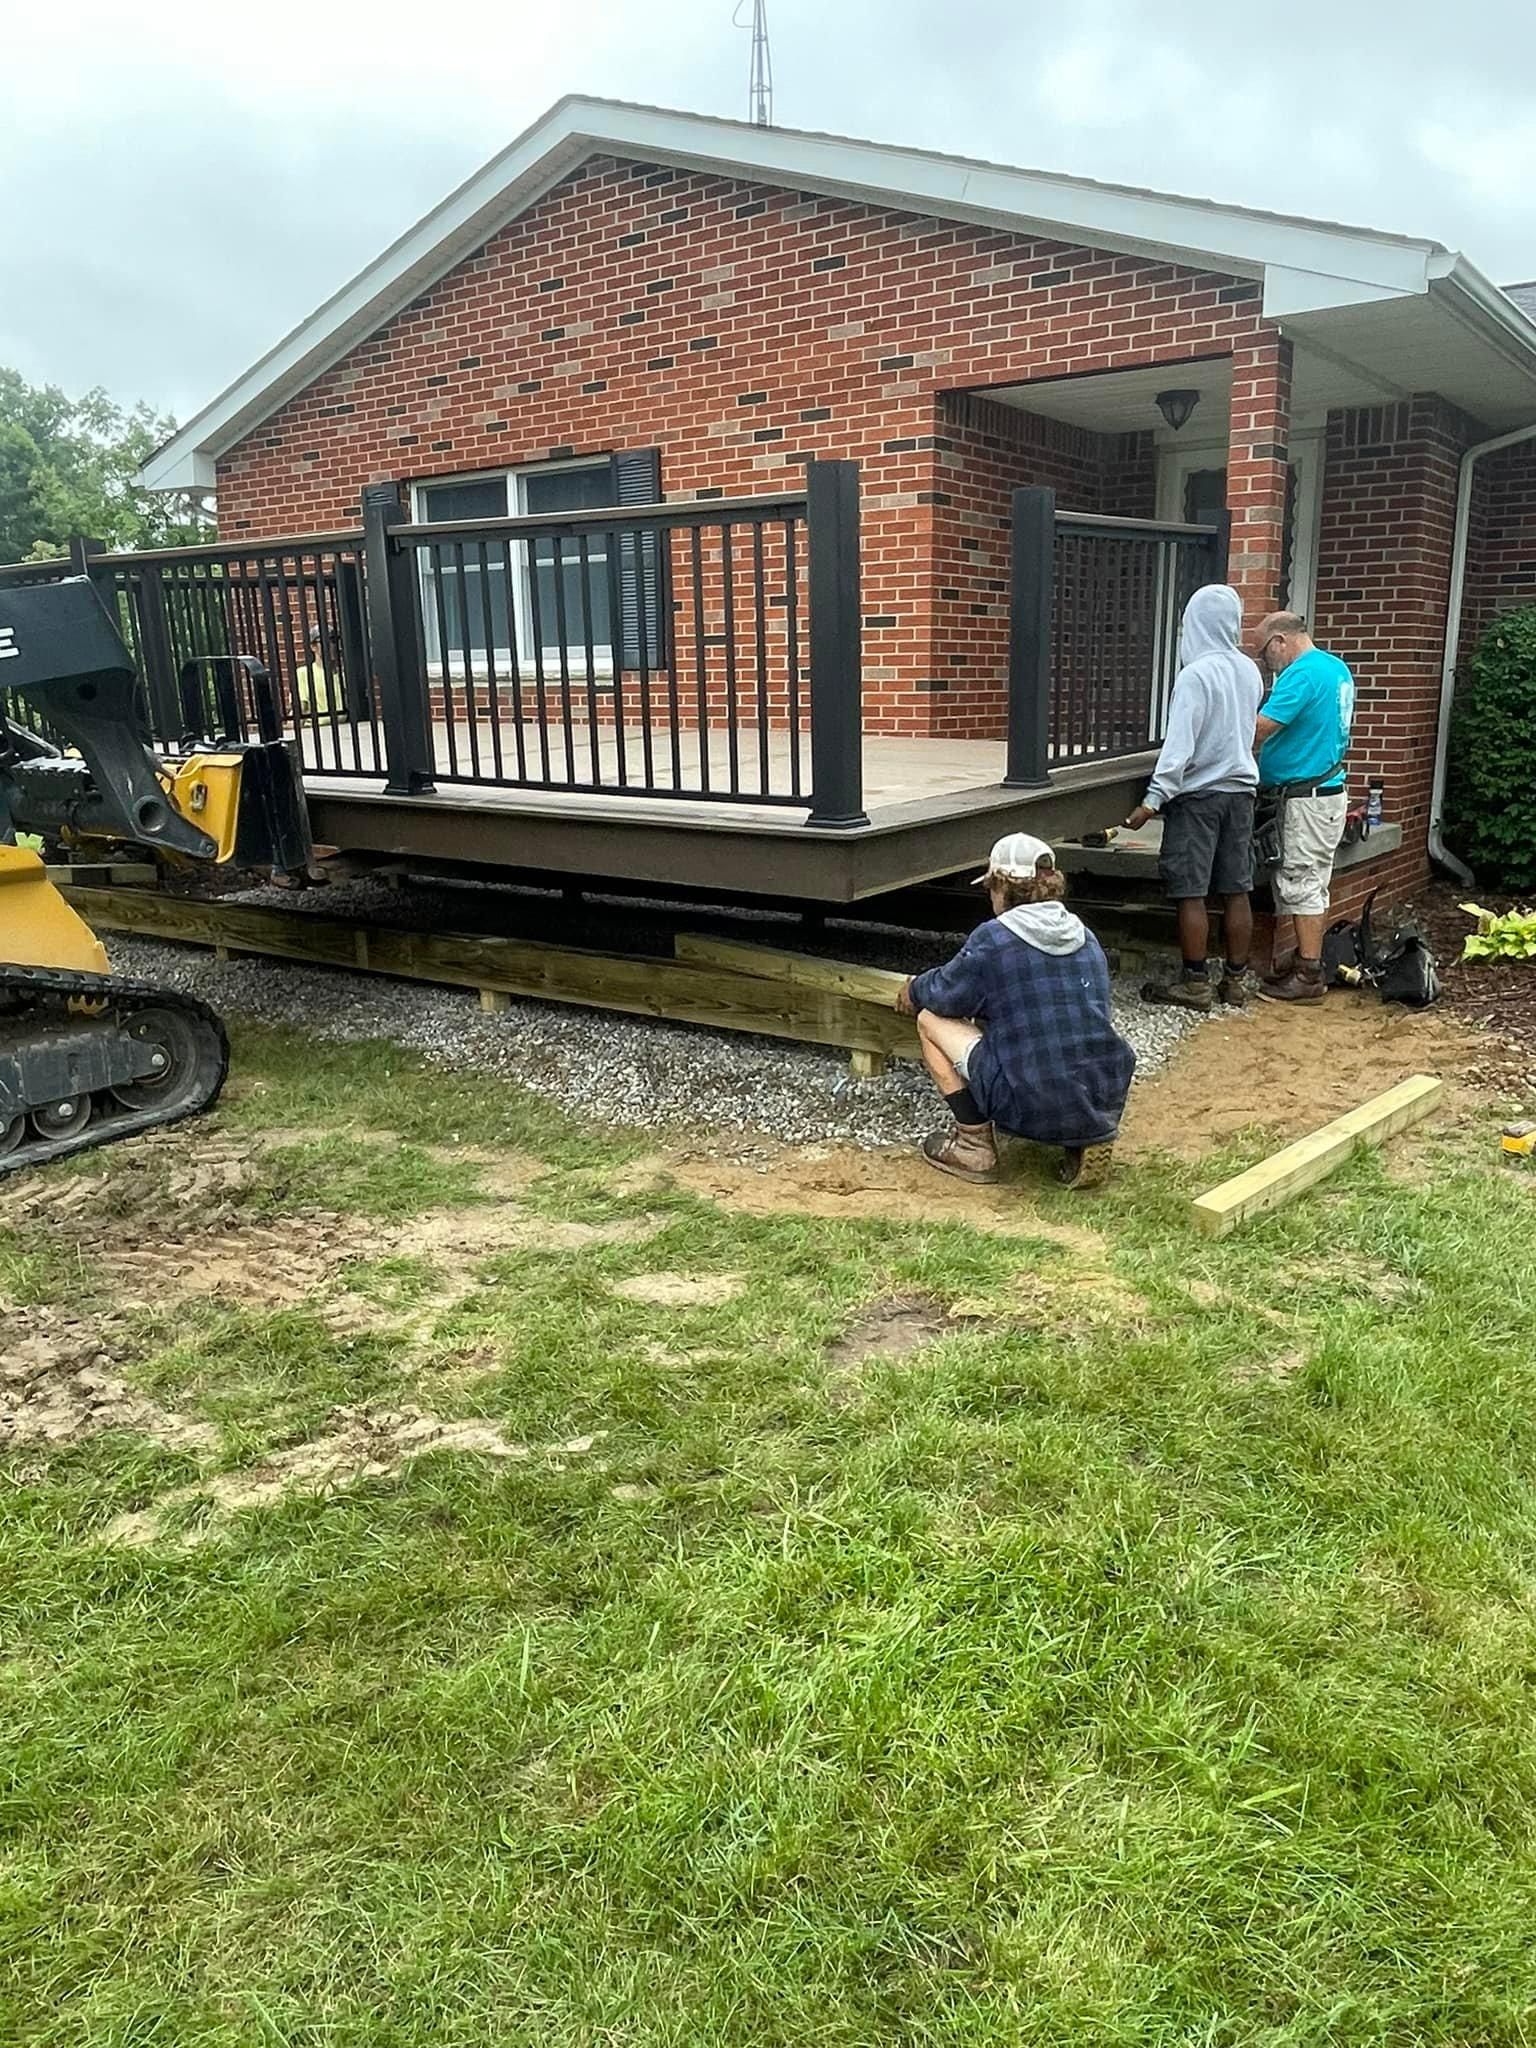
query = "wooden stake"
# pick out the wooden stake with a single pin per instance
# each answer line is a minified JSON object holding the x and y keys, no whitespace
{"x":866,"y":1066}
{"x":1275,"y":1180}
{"x":494,"y":1000}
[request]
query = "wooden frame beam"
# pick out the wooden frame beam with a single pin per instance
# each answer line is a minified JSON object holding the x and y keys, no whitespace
{"x":742,"y":994}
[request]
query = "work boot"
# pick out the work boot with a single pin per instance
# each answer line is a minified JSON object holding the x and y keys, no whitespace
{"x":1087,"y":1166}
{"x":968,"y":1151}
{"x":1189,"y":992}
{"x":1304,"y":984}
{"x":1235,"y":988}
{"x":1281,"y":970}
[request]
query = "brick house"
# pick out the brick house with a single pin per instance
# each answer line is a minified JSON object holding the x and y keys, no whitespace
{"x":696,"y":307}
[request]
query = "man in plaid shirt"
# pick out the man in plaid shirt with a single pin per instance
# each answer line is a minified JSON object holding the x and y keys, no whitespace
{"x":1016,"y":1030}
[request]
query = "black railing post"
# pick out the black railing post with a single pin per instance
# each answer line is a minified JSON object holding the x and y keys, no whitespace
{"x":156,"y":654}
{"x":394,"y":633}
{"x":837,"y":680}
{"x":81,"y":554}
{"x":354,"y":646}
{"x":1029,"y":639}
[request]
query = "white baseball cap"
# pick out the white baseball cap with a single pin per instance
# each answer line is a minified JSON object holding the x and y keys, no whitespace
{"x":1018,"y":855}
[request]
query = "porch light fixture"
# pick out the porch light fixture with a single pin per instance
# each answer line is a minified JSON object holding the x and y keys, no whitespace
{"x":1176,"y":406}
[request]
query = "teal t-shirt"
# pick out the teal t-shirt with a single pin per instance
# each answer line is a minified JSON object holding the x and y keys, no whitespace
{"x":1314,"y":701}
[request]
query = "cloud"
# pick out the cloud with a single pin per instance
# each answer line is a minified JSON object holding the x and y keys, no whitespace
{"x":186,"y":183}
{"x":1495,"y":165}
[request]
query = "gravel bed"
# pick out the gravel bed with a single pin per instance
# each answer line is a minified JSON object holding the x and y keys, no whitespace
{"x":622,"y":1070}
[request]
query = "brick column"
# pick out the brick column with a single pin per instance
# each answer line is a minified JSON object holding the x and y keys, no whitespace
{"x":1258,"y":455}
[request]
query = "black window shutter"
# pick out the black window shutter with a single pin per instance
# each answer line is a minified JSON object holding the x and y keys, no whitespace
{"x":637,"y":481}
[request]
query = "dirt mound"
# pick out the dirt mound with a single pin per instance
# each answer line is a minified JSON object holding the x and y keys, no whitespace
{"x":364,"y":1444}
{"x":1290,"y":1070}
{"x":58,"y":1385}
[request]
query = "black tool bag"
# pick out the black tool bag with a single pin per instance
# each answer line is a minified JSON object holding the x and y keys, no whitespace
{"x":1409,"y":972}
{"x":1401,"y":968}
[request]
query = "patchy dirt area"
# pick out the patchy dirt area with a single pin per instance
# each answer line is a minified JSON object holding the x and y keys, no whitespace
{"x":893,"y":1186}
{"x":365,"y":1444}
{"x":680,"y":1290}
{"x":59,"y":1384}
{"x":890,"y":1329}
{"x":155,"y":1186}
{"x":156,"y":1237}
{"x":1291,"y":1070}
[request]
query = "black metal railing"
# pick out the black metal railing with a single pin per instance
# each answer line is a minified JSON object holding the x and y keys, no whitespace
{"x":1094,"y":645}
{"x":228,"y":638}
{"x":584,"y":653}
{"x":706,"y":650}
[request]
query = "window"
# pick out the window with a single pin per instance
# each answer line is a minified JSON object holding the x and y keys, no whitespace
{"x":560,"y":594}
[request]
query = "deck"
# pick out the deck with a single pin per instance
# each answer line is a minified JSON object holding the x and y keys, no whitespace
{"x":934,"y":807}
{"x":670,"y":695}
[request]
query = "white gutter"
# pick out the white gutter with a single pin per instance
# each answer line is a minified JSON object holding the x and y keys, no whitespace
{"x":1469,"y":461}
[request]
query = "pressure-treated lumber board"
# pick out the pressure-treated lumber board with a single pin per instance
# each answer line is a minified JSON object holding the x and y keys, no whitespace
{"x":802,"y":970}
{"x":81,"y":874}
{"x":872,"y":985}
{"x":684,"y":991}
{"x":1276,"y":1179}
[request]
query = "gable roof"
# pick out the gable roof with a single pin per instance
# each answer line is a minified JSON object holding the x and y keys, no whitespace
{"x":1307,"y":267}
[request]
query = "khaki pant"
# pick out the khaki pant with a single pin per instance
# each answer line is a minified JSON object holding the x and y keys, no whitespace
{"x":1310,"y":830}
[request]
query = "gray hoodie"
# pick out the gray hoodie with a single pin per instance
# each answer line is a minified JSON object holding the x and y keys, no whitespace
{"x":1215,"y":702}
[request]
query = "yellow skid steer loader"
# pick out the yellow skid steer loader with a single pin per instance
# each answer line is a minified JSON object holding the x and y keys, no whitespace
{"x":86,"y":1056}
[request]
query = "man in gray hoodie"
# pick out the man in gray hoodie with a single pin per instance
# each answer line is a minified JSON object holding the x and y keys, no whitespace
{"x":1203,"y":789}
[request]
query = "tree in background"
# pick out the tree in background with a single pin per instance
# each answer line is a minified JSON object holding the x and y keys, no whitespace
{"x":67,"y":466}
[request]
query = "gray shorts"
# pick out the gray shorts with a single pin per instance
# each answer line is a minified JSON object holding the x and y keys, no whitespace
{"x":1310,"y":830}
{"x":1208,"y":845}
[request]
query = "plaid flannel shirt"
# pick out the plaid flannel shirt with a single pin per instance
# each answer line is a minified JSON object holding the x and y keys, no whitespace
{"x":1051,"y":1065}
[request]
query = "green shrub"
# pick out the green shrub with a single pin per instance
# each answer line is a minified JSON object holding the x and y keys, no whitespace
{"x":1490,"y":796}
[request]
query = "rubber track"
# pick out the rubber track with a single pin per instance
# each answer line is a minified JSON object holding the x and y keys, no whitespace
{"x":48,"y":990}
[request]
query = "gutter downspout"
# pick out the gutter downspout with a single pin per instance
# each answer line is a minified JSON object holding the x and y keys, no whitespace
{"x":1469,"y":461}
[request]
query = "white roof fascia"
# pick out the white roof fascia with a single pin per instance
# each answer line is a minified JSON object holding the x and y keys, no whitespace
{"x":1232,"y":240}
{"x":1288,"y":291}
{"x":1482,"y":305}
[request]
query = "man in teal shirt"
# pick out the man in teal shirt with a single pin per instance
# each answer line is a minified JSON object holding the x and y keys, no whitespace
{"x":1302,"y":739}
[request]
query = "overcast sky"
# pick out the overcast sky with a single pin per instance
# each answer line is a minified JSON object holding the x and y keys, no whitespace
{"x":181,"y":183}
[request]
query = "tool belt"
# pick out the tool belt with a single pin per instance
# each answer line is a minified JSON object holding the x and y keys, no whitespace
{"x":1269,"y":812}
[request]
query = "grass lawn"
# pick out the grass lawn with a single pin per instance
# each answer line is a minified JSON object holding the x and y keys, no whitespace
{"x":1124,"y":1639}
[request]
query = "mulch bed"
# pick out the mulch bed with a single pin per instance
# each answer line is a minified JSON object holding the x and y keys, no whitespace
{"x":1497,"y":996}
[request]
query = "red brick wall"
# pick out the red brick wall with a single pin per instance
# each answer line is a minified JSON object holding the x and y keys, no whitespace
{"x":1259,"y":435}
{"x":1383,"y":576}
{"x":739,"y":329}
{"x":1501,"y":557}
{"x":987,"y":451}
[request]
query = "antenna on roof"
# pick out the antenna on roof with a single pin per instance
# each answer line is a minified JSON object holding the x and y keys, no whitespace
{"x":760,"y":91}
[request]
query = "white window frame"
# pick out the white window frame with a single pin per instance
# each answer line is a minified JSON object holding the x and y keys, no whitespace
{"x":1175,"y":464}
{"x":515,"y":483}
